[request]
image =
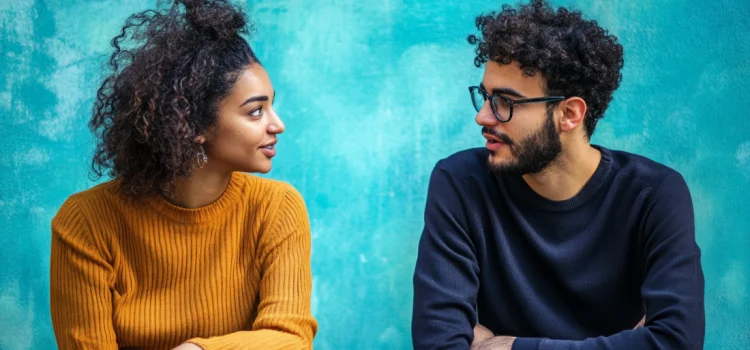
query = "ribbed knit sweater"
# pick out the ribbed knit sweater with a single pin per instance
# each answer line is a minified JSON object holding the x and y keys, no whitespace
{"x":144,"y":273}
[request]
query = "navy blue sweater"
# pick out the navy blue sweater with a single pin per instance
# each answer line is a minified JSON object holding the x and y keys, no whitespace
{"x":573,"y":274}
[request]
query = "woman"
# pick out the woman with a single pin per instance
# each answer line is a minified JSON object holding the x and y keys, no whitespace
{"x":182,"y":250}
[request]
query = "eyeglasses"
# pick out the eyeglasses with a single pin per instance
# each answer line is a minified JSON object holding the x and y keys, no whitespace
{"x":502,"y":106}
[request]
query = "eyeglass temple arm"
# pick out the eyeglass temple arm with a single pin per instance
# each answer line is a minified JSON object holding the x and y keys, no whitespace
{"x":539,"y":99}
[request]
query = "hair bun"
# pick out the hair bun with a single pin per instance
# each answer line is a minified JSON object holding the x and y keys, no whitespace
{"x":215,"y":19}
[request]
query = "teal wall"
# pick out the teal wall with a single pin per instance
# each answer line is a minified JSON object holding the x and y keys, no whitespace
{"x":373,"y":94}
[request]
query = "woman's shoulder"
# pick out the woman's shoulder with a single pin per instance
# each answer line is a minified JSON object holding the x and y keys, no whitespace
{"x":82,"y":212}
{"x":102,"y":195}
{"x":270,"y":189}
{"x":282,"y":208}
{"x":96,"y":202}
{"x":273,"y":195}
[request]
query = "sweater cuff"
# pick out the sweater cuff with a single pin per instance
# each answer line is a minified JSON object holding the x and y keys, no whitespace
{"x":526,"y":344}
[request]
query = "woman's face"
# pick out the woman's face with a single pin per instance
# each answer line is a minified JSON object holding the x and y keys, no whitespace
{"x":244,"y":135}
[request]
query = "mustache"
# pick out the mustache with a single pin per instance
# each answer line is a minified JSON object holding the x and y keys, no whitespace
{"x":502,"y":137}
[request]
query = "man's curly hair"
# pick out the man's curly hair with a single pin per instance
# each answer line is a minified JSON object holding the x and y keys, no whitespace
{"x":169,"y":69}
{"x":575,"y":56}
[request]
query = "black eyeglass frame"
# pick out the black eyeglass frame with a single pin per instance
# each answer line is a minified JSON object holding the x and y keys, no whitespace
{"x":508,"y":101}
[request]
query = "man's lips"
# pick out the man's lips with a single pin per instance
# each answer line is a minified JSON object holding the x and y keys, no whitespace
{"x":492,"y":138}
{"x":494,"y":143}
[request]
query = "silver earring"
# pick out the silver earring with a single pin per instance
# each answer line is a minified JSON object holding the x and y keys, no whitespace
{"x":201,"y":157}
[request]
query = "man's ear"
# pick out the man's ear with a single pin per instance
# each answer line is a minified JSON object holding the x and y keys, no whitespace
{"x":574,"y":110}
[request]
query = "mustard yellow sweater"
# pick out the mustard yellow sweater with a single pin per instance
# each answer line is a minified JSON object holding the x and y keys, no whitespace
{"x":147,"y":274}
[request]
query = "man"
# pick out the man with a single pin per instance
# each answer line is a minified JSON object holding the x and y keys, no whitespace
{"x":542,"y":240}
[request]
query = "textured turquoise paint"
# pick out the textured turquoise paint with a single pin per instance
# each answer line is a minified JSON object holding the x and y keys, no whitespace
{"x":373,"y":94}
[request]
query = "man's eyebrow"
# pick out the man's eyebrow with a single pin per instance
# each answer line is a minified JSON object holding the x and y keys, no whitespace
{"x":507,"y":92}
{"x":503,"y":91}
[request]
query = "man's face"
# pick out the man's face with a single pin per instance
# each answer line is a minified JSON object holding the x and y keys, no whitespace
{"x":529,"y":142}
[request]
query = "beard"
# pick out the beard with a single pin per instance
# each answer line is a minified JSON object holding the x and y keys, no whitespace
{"x":533,"y":154}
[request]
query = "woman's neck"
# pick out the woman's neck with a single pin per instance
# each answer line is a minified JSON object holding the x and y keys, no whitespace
{"x":199,"y":190}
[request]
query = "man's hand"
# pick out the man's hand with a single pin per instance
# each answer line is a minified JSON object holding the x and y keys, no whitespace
{"x":495,"y":343}
{"x":481,"y":333}
{"x":639,"y":325}
{"x":484,"y":339}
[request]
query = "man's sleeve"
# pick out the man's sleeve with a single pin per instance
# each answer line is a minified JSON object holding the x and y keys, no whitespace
{"x":446,"y":278}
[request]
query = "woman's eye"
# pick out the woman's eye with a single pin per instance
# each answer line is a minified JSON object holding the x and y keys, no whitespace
{"x":256,"y":112}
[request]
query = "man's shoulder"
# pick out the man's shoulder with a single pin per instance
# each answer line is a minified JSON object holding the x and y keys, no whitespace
{"x":464,"y":162}
{"x":645,"y":171}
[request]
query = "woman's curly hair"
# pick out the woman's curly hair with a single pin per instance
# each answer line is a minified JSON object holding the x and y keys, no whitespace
{"x":169,"y":70}
{"x":575,"y":56}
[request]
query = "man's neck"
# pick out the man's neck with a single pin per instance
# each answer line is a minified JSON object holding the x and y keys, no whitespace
{"x":567,"y":176}
{"x":204,"y":187}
